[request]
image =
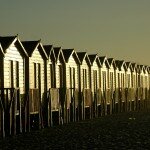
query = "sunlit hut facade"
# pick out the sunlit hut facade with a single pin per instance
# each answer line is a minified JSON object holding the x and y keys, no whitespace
{"x":120,"y":82}
{"x":34,"y":82}
{"x":105,"y":84}
{"x":112,"y":82}
{"x":95,"y":104}
{"x":84,"y":80}
{"x":71,"y":83}
{"x":12,"y":81}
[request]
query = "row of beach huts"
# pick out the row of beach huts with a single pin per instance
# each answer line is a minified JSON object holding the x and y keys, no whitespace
{"x":42,"y":85}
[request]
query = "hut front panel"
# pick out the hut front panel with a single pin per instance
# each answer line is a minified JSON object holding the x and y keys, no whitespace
{"x":104,"y":78}
{"x":95,"y":77}
{"x":128,"y":78}
{"x":59,"y":75}
{"x":111,"y":78}
{"x":13,"y":69}
{"x":85,"y":75}
{"x":73,"y":66}
{"x":35,"y":62}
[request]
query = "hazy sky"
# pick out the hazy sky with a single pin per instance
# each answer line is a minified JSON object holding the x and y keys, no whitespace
{"x":115,"y":28}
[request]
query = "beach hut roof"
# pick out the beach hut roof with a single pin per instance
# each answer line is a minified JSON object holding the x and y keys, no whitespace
{"x":30,"y":46}
{"x":82,"y":56}
{"x":6,"y":41}
{"x":94,"y":57}
{"x":67,"y":54}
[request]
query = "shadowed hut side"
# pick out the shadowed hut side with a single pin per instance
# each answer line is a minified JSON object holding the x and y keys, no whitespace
{"x":49,"y":81}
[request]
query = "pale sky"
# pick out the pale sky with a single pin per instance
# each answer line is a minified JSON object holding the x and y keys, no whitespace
{"x":115,"y":28}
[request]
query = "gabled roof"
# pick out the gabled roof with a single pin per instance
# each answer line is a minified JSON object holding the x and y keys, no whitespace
{"x":6,"y":41}
{"x":146,"y":68}
{"x":134,"y":66}
{"x":49,"y":51}
{"x":103,"y":60}
{"x":67,"y":54}
{"x":30,"y":46}
{"x":94,"y":57}
{"x":142,"y":68}
{"x":82,"y":56}
{"x":111,"y":61}
{"x":58,"y":54}
{"x":120,"y":63}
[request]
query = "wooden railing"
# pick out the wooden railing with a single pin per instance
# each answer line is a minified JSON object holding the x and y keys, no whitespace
{"x":10,"y":110}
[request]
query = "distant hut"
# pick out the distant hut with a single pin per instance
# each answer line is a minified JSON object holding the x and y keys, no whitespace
{"x":84,"y":78}
{"x":141,"y":76}
{"x":57,"y":87}
{"x":105,"y":83}
{"x":146,"y":85}
{"x":129,"y":92}
{"x":133,"y":68}
{"x":95,"y":84}
{"x":12,"y":81}
{"x":120,"y":74}
{"x":112,"y":82}
{"x":71,"y":83}
{"x":35,"y":82}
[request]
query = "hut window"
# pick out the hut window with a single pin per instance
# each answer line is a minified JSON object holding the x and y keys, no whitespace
{"x":104,"y":80}
{"x":84,"y":78}
{"x":37,"y":75}
{"x":128,"y":80}
{"x":133,"y":80}
{"x":72,"y":77}
{"x":53,"y":79}
{"x":95,"y":80}
{"x":111,"y":80}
